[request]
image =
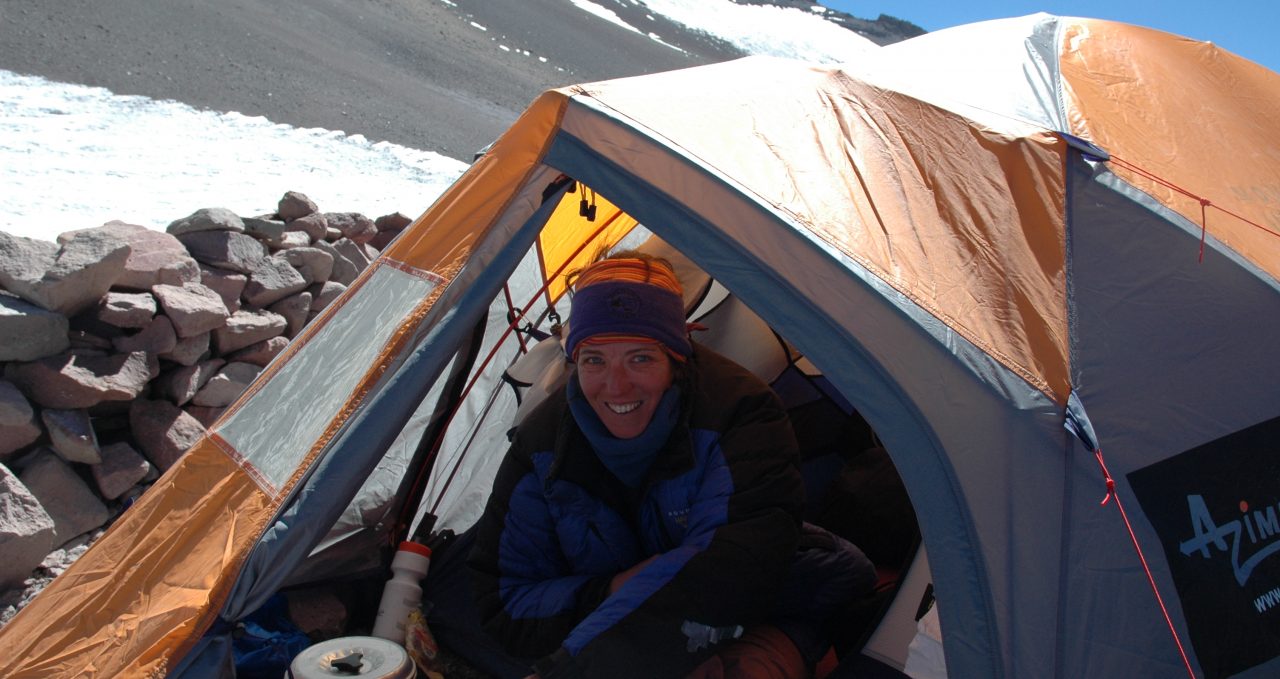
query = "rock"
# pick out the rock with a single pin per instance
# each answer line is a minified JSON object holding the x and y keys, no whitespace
{"x":247,"y":327}
{"x":294,"y":239}
{"x":74,"y":508}
{"x":181,"y":384}
{"x":192,"y":307}
{"x":28,"y":332}
{"x":272,"y":279}
{"x":26,"y":530}
{"x":227,"y":385}
{"x":75,"y":277}
{"x":394,"y":222}
{"x":127,"y":309}
{"x":344,"y":270}
{"x":389,"y":226}
{"x":323,"y":294}
{"x":260,"y":353}
{"x":352,"y":225}
{"x":224,"y":249}
{"x":72,"y":435}
{"x":229,"y":285}
{"x":84,"y":339}
{"x":18,"y":425}
{"x":314,"y":264}
{"x":314,"y":225}
{"x":189,"y":350}
{"x":269,"y":231}
{"x":70,"y":381}
{"x":122,"y":468}
{"x":207,"y":219}
{"x":294,"y":206}
{"x":163,"y":431}
{"x":157,"y":338}
{"x":294,"y":309}
{"x":353,"y":251}
{"x":157,"y":257}
{"x":205,"y":416}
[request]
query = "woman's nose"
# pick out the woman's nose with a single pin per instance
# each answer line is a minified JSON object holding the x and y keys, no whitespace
{"x":617,"y":379}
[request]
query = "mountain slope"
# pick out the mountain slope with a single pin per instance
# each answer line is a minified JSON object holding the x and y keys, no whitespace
{"x":441,"y":75}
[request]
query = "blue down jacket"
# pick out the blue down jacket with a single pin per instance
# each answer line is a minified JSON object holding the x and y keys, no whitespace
{"x":720,"y":506}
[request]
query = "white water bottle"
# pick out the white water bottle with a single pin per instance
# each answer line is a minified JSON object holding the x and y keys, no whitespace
{"x":402,"y":592}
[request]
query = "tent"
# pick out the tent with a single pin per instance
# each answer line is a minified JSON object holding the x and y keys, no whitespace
{"x":1038,"y":255}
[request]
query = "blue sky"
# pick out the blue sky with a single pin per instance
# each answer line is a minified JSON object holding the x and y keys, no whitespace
{"x":1247,"y":28}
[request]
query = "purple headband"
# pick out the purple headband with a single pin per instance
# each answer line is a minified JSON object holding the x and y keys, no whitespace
{"x":628,"y":308}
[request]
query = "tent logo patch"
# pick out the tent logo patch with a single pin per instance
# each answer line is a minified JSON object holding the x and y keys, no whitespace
{"x":1216,"y":509}
{"x":1230,"y":535}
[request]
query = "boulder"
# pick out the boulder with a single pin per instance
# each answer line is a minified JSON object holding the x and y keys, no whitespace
{"x":227,"y":385}
{"x":193,"y":308}
{"x":157,"y":338}
{"x":314,"y":264}
{"x":269,"y":231}
{"x":323,"y":294}
{"x":74,"y":508}
{"x":82,"y":340}
{"x":71,"y":435}
{"x":189,"y":350}
{"x":294,"y":239}
{"x":314,"y":225}
{"x":389,"y":226}
{"x":247,"y":327}
{"x":70,"y":380}
{"x":122,"y":468}
{"x":26,"y":531}
{"x":394,"y":222}
{"x":157,"y":257}
{"x":127,"y":309}
{"x":207,"y":219}
{"x":28,"y":332}
{"x":271,"y":280}
{"x":260,"y":353}
{"x":228,"y":284}
{"x":204,"y":415}
{"x":294,"y":206}
{"x":163,"y":431}
{"x":67,"y":279}
{"x":181,"y":384}
{"x":344,"y":270}
{"x":352,"y":225}
{"x":18,"y":424}
{"x":224,"y":249}
{"x":295,"y":309}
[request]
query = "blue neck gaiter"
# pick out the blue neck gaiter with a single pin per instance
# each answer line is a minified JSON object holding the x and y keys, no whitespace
{"x":627,"y":459}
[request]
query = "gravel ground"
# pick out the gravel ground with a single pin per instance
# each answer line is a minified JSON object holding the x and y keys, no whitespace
{"x":445,"y":76}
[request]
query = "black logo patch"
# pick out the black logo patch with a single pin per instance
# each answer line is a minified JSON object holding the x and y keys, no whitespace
{"x":1216,"y":509}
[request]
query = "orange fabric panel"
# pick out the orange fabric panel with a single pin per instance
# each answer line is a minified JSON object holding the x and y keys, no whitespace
{"x":442,"y":238}
{"x":136,"y":601}
{"x":964,"y":220}
{"x":1165,"y":103}
{"x":561,"y":241}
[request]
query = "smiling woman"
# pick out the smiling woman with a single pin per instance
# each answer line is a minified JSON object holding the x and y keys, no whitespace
{"x":646,"y":520}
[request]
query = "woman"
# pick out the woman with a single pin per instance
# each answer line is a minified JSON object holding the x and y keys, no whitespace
{"x":646,"y":517}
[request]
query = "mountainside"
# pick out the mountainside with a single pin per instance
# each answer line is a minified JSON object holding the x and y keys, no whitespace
{"x":440,"y":75}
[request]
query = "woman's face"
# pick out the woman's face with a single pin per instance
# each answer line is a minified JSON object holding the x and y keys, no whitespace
{"x":624,"y":383}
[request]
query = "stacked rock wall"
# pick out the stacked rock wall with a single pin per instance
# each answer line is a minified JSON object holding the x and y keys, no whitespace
{"x":120,"y":344}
